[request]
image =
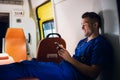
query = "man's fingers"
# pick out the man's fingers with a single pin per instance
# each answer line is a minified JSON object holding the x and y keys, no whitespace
{"x":59,"y":46}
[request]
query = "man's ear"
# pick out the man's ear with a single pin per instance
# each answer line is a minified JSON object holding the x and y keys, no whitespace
{"x":96,"y":25}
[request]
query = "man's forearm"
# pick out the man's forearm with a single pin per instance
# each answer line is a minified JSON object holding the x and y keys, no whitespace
{"x":91,"y":71}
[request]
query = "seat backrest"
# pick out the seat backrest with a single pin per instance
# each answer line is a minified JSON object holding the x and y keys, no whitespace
{"x":15,"y":44}
{"x":47,"y":51}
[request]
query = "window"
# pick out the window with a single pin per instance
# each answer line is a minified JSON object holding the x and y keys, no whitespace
{"x":48,"y":27}
{"x":45,"y":19}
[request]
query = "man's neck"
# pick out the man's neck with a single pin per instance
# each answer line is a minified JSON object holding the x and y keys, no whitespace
{"x":92,"y":37}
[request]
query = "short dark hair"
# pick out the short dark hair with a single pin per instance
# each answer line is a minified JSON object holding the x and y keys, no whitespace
{"x":94,"y":16}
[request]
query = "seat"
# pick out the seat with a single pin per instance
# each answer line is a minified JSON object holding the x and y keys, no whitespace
{"x":47,"y":51}
{"x":5,"y":59}
{"x":15,"y":44}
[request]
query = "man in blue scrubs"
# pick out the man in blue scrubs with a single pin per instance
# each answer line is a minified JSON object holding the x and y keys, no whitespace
{"x":90,"y":58}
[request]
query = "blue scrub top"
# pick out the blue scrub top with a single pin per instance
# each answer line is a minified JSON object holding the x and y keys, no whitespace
{"x":96,"y":51}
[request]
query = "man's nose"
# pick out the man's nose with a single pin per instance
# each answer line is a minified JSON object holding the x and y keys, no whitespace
{"x":82,"y":27}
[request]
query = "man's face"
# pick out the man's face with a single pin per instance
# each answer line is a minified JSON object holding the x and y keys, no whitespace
{"x":87,"y":27}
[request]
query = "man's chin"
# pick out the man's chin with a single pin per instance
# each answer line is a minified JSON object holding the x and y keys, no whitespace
{"x":87,"y":35}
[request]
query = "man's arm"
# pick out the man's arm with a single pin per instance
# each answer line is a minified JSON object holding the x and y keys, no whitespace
{"x":91,"y":71}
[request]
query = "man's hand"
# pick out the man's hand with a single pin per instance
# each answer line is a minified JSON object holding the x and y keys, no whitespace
{"x":63,"y":52}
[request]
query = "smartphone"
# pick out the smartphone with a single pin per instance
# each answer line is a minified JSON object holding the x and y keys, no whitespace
{"x":58,"y":45}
